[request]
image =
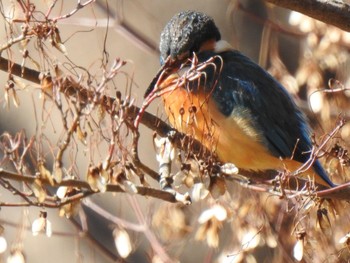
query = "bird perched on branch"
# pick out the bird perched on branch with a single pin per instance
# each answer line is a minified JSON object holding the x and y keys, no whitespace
{"x":228,"y":102}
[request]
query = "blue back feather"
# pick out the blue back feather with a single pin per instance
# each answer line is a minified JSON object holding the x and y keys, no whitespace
{"x":244,"y":89}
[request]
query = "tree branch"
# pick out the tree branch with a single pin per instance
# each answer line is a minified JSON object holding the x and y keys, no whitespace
{"x":145,"y":191}
{"x":73,"y":89}
{"x":148,"y":119}
{"x":333,"y":12}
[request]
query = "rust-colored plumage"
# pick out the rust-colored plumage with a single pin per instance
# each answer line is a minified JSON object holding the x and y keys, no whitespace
{"x":233,"y":106}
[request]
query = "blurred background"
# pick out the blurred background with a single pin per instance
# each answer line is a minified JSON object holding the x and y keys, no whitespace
{"x":301,"y":53}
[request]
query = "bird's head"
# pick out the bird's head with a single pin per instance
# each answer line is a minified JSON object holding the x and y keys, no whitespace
{"x":185,"y":33}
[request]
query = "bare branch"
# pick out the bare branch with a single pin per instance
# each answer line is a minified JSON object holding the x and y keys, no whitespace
{"x":12,"y":41}
{"x":73,"y":89}
{"x":145,"y":191}
{"x":78,"y":7}
{"x":334,"y":12}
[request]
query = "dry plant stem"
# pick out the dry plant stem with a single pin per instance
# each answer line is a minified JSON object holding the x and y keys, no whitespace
{"x":141,"y":227}
{"x":72,"y":89}
{"x":12,"y":41}
{"x":83,"y":185}
{"x":4,"y":183}
{"x":112,"y":218}
{"x":157,"y":247}
{"x":316,"y":151}
{"x":333,"y":12}
{"x":79,"y":6}
{"x":75,"y":90}
{"x":147,"y":119}
{"x":340,"y":192}
{"x":66,"y":141}
{"x":150,"y":121}
{"x":135,"y":156}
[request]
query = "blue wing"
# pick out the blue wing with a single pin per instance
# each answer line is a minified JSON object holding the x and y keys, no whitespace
{"x":245,"y":89}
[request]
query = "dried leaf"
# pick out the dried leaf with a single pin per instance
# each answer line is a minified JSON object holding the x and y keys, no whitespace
{"x":199,"y":192}
{"x":38,"y":190}
{"x":189,"y":180}
{"x":210,"y":232}
{"x":295,"y":18}
{"x":19,"y":83}
{"x":220,"y":212}
{"x":58,"y":174}
{"x":165,"y":150}
{"x":6,"y":97}
{"x":271,"y":241}
{"x":229,"y":169}
{"x":129,"y":187}
{"x":61,"y":48}
{"x":179,"y":179}
{"x":16,"y":256}
{"x":131,"y":175}
{"x":232,"y":257}
{"x":211,"y":221}
{"x":3,"y":244}
{"x":62,"y":192}
{"x":217,"y":187}
{"x":45,"y":174}
{"x":103,"y":181}
{"x":69,"y":210}
{"x":42,"y":224}
{"x":251,"y":239}
{"x":345,"y":239}
{"x":213,"y":234}
{"x":122,"y":242}
{"x":205,"y":216}
{"x":316,"y":101}
{"x":97,"y":179}
{"x":15,"y":98}
{"x":250,"y":259}
{"x":81,"y":135}
{"x":170,"y":222}
{"x":57,"y":42}
{"x":101,"y":112}
{"x":298,"y":250}
{"x":58,"y":72}
{"x":216,"y":211}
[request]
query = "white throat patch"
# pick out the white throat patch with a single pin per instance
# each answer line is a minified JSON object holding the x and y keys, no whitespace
{"x":222,"y":46}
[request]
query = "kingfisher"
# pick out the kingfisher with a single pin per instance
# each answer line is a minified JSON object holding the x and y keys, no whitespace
{"x":229,"y":103}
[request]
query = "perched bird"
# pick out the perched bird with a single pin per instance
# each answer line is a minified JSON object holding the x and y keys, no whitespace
{"x":228,"y":102}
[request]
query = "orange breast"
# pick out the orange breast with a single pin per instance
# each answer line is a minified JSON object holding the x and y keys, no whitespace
{"x":231,"y":138}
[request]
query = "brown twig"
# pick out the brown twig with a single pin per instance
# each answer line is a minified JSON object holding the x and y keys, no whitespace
{"x":79,"y":6}
{"x":316,"y":151}
{"x":83,"y":185}
{"x":333,"y":12}
{"x":69,"y":87}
